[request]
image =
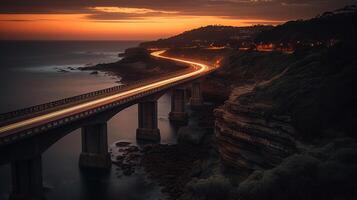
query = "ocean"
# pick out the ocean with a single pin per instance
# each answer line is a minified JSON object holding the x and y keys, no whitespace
{"x":34,"y":72}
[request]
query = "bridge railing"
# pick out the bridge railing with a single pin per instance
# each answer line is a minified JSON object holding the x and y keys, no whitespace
{"x":9,"y":116}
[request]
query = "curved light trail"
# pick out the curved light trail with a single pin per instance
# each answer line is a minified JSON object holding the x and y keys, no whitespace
{"x":55,"y":115}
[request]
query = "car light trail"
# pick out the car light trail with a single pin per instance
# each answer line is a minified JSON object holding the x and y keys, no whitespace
{"x":109,"y":99}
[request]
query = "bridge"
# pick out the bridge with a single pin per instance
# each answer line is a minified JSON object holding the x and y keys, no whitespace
{"x":26,"y":133}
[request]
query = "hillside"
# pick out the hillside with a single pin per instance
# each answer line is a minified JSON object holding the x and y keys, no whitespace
{"x":286,"y":127}
{"x":209,"y":35}
{"x":286,"y":130}
{"x":332,"y":26}
{"x":135,"y":65}
{"x":326,"y":29}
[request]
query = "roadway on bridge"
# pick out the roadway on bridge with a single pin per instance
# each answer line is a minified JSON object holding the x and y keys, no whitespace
{"x":59,"y":114}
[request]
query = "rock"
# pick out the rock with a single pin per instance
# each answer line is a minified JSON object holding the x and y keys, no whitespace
{"x":132,"y":149}
{"x":120,"y":158}
{"x":127,"y":157}
{"x":191,"y":135}
{"x":62,"y":71}
{"x":122,"y":144}
{"x":135,"y":54}
{"x":128,"y":171}
{"x":94,"y":73}
{"x":250,"y":140}
{"x":196,"y":170}
{"x":170,"y":176}
{"x":170,"y":165}
{"x":148,"y":147}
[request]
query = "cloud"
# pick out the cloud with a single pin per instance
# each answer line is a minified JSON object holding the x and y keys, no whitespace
{"x":126,"y":13}
{"x":130,"y":9}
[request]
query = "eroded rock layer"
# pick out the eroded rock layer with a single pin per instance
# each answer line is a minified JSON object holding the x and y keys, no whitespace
{"x":249,"y":140}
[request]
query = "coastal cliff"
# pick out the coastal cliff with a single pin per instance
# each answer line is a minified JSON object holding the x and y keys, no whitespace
{"x":247,"y":140}
{"x":286,"y":128}
{"x":284,"y":124}
{"x":261,"y":123}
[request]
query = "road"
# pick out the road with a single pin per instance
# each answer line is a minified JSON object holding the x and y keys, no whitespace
{"x":59,"y":114}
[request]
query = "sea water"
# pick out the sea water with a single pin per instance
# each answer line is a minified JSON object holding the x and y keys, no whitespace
{"x":35,"y":72}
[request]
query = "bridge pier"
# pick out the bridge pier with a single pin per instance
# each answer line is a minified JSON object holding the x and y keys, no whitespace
{"x":27,"y":179}
{"x":95,"y":147}
{"x":196,"y":95}
{"x":178,"y":113}
{"x":148,"y":128}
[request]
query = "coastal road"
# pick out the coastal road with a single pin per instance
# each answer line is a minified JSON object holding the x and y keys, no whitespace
{"x":199,"y":69}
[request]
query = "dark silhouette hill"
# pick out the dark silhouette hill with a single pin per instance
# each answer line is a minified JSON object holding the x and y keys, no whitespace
{"x":340,"y":24}
{"x":205,"y":36}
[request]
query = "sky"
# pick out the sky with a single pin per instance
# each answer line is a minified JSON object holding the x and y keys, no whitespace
{"x":144,"y":19}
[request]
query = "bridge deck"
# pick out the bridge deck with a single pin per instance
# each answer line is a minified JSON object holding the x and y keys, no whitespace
{"x":18,"y":124}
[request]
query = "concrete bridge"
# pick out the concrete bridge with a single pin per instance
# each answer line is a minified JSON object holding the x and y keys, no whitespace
{"x":25,"y":134}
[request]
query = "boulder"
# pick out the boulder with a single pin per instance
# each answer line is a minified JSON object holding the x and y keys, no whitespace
{"x":191,"y":135}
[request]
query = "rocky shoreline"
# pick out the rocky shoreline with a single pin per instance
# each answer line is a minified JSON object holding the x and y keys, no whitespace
{"x":173,"y":166}
{"x":137,"y":64}
{"x":238,"y":149}
{"x":279,"y":127}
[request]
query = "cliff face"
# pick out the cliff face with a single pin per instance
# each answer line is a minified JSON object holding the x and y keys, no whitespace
{"x":310,"y":101}
{"x":247,"y":139}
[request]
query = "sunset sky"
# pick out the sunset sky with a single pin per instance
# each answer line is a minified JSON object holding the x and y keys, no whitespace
{"x":143,"y":19}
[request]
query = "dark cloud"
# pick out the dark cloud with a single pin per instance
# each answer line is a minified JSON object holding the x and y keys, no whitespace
{"x":263,"y":9}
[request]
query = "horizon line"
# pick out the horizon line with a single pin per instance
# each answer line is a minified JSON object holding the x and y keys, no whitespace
{"x":69,"y":40}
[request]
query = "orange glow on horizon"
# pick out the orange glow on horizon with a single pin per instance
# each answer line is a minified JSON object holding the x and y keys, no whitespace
{"x":130,"y":10}
{"x":81,"y":27}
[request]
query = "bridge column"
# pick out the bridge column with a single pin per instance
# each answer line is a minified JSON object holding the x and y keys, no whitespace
{"x":196,"y":94}
{"x":95,"y":147}
{"x":148,"y":129}
{"x":27,"y":179}
{"x":178,"y":113}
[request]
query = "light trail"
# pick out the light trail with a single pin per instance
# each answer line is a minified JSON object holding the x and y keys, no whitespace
{"x":55,"y":115}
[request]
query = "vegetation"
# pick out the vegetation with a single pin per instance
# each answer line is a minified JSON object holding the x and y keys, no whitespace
{"x":317,"y":85}
{"x":209,"y":35}
{"x":314,"y":86}
{"x":338,"y":25}
{"x":137,"y":64}
{"x":327,"y":172}
{"x":317,"y":90}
